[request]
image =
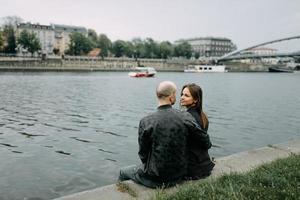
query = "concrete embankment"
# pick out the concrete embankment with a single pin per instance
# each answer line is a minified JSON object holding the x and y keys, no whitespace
{"x":246,"y":67}
{"x":240,"y":162}
{"x":74,"y":63}
{"x":89,"y":64}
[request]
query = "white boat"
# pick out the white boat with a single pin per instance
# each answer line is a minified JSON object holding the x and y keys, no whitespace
{"x":205,"y":68}
{"x":284,"y":66}
{"x":281,"y":69}
{"x":142,"y":72}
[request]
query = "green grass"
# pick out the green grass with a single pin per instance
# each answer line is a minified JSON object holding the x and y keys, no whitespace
{"x":277,"y":180}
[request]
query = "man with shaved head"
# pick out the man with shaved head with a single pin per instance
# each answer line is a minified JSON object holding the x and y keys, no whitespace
{"x":165,"y":90}
{"x":162,"y":139}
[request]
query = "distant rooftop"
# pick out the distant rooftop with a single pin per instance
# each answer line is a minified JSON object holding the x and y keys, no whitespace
{"x":67,"y":26}
{"x":53,"y":26}
{"x":204,"y":38}
{"x":35,"y":26}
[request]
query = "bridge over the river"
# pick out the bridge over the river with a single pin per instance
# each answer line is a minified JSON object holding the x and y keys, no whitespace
{"x":240,"y":54}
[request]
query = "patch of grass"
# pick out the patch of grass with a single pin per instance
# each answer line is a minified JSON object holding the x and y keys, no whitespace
{"x":277,"y":180}
{"x":124,"y":187}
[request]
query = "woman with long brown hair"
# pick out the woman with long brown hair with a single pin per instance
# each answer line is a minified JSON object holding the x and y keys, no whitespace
{"x":200,"y":164}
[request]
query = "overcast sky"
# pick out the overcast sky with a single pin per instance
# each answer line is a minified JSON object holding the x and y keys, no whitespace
{"x":245,"y":22}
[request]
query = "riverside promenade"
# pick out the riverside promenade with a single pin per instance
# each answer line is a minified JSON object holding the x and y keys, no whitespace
{"x":239,"y":162}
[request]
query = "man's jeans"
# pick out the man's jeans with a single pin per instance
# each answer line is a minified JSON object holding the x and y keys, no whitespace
{"x":134,"y":172}
{"x":129,"y":172}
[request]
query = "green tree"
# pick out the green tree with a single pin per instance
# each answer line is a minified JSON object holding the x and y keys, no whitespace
{"x":119,"y":48}
{"x":79,"y":44}
{"x":9,"y":35}
{"x":1,"y":40}
{"x":9,"y":24}
{"x":104,"y":44}
{"x":28,"y":40}
{"x":129,"y":50}
{"x":183,"y":50}
{"x":139,"y":48}
{"x":92,"y":35}
{"x":151,"y":48}
{"x":165,"y":49}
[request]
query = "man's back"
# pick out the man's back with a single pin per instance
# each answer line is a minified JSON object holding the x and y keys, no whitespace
{"x":162,"y":142}
{"x":163,"y":139}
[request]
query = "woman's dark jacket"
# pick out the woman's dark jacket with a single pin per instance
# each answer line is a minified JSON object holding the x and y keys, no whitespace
{"x":199,"y":163}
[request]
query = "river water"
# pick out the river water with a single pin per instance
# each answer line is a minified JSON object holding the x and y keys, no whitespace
{"x":62,"y":133}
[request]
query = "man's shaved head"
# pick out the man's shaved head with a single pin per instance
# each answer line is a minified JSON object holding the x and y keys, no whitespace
{"x":165,"y":89}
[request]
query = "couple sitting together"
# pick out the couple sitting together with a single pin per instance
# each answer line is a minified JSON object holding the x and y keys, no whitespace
{"x":173,"y":145}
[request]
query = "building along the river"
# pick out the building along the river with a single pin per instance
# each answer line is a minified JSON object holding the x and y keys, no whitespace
{"x":210,"y":46}
{"x":62,"y":35}
{"x":44,"y":33}
{"x":53,"y":36}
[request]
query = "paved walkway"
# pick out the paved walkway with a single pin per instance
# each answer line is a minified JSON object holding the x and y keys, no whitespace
{"x":240,"y":162}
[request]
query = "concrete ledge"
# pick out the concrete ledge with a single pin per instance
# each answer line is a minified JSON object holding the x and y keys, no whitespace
{"x":240,"y":162}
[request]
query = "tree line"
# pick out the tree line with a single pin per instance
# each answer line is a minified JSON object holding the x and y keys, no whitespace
{"x":136,"y":48}
{"x":81,"y":45}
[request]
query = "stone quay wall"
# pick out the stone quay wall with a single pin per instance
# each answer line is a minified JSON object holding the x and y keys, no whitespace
{"x":80,"y":63}
{"x":236,"y":66}
{"x":89,"y":64}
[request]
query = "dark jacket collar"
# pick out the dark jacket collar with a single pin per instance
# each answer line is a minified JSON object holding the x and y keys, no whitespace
{"x":192,"y":109}
{"x":163,"y":107}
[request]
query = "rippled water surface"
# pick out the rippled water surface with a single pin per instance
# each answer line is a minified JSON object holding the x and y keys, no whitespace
{"x":62,"y":133}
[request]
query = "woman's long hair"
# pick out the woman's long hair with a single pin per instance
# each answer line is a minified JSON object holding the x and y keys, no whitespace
{"x":197,"y":95}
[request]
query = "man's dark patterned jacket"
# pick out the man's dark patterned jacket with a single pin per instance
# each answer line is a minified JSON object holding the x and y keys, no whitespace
{"x":163,"y":138}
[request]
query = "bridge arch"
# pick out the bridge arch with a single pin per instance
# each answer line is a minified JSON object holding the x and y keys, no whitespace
{"x":258,"y":45}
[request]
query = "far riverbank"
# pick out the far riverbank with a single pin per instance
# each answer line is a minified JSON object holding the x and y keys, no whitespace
{"x":82,"y":63}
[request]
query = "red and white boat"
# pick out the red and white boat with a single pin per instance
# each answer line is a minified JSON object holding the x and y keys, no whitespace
{"x":143,"y":72}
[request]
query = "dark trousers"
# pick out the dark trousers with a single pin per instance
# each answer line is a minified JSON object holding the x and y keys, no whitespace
{"x":129,"y":173}
{"x":135,"y":173}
